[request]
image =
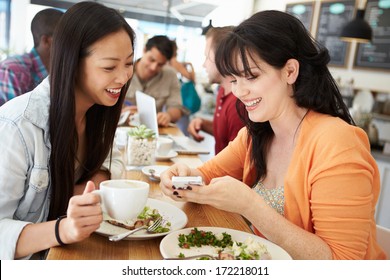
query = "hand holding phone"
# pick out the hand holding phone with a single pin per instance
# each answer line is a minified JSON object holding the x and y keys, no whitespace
{"x":180,"y":182}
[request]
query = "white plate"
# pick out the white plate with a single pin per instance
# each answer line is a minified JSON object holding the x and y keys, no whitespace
{"x":170,"y":155}
{"x":171,"y":213}
{"x":158,"y":168}
{"x":169,"y":247}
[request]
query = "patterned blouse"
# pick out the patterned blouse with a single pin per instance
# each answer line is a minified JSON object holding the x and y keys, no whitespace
{"x":273,"y":197}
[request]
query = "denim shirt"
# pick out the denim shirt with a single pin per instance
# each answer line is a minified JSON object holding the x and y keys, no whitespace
{"x":24,"y":165}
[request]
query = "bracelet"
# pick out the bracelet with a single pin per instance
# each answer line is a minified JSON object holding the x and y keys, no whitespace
{"x":57,"y":232}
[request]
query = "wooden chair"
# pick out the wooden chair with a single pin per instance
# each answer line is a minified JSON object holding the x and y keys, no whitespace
{"x":383,"y":238}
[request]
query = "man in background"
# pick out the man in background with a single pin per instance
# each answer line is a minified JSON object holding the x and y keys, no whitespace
{"x":22,"y":73}
{"x":152,"y":77}
{"x":226,"y":122}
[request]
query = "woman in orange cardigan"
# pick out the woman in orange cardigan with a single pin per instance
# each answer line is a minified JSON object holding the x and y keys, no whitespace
{"x":301,"y":172}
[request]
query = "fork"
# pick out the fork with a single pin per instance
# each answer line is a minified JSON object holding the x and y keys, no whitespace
{"x":194,"y":257}
{"x":151,"y":229}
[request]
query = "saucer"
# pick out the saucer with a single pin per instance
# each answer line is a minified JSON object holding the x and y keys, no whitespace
{"x":170,"y":155}
{"x":157,"y":168}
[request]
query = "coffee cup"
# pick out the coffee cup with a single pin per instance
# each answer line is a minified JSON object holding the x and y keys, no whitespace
{"x":123,"y":199}
{"x":164,"y":146}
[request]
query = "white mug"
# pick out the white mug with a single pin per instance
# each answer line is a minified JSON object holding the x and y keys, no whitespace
{"x":123,"y":199}
{"x":164,"y":146}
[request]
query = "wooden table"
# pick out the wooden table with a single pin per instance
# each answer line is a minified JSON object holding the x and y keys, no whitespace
{"x":98,"y":247}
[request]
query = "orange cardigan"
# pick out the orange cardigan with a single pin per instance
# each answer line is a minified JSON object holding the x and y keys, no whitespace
{"x":331,"y":186}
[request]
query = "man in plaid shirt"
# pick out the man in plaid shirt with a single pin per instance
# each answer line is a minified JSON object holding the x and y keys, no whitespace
{"x":22,"y":73}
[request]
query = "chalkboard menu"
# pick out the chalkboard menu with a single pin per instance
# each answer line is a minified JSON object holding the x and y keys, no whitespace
{"x":377,"y":53}
{"x":303,"y":11}
{"x":333,"y":16}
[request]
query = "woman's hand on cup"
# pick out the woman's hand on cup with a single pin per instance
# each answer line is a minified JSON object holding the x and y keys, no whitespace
{"x":84,"y":216}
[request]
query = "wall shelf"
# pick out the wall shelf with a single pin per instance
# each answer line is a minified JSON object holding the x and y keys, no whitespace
{"x":381,"y":117}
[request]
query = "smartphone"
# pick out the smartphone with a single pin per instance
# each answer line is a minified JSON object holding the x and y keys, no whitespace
{"x":183,"y":182}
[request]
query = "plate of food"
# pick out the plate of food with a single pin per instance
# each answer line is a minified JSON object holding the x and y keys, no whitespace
{"x":221,"y":243}
{"x":174,"y":219}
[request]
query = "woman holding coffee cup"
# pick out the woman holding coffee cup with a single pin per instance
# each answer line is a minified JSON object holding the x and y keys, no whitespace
{"x":58,"y":143}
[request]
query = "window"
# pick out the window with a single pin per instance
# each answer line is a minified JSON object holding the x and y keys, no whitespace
{"x":5,"y":12}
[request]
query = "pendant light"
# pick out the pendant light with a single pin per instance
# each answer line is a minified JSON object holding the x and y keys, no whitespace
{"x":358,"y":29}
{"x":205,"y":29}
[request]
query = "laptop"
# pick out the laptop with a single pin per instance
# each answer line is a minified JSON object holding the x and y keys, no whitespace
{"x":146,"y":107}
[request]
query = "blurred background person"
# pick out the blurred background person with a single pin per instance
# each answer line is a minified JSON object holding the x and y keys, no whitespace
{"x":153,"y":78}
{"x":185,"y":69}
{"x":226,"y":122}
{"x":22,"y":73}
{"x":189,"y":94}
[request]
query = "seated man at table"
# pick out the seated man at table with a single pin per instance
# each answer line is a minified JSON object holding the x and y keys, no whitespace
{"x":226,"y":122}
{"x":22,"y":73}
{"x":152,"y":77}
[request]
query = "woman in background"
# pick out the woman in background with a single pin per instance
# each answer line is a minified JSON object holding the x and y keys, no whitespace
{"x":185,"y":69}
{"x":58,"y":143}
{"x":189,"y":95}
{"x":300,"y":171}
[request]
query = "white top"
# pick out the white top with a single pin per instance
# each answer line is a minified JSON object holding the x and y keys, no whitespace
{"x":24,"y":165}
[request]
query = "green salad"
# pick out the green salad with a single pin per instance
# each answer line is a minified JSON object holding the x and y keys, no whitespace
{"x":198,"y":238}
{"x":146,"y":218}
{"x":152,"y":215}
{"x":227,"y":248}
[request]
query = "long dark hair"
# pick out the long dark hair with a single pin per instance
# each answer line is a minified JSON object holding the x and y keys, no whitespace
{"x":276,"y":37}
{"x":81,"y":26}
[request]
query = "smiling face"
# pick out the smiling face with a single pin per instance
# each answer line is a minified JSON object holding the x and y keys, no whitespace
{"x":150,"y":64}
{"x":105,"y":70}
{"x":267,"y":94}
{"x":209,"y":62}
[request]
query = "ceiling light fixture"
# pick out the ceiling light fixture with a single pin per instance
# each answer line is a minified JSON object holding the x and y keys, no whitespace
{"x":358,"y":29}
{"x":205,"y":29}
